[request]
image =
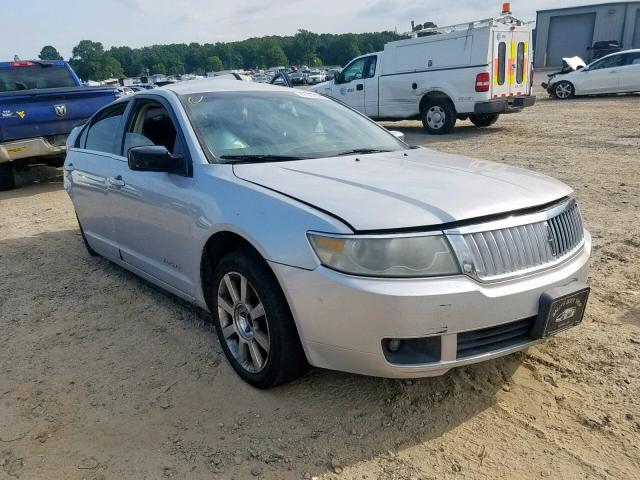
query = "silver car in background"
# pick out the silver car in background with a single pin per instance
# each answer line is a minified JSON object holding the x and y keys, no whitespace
{"x":315,"y":236}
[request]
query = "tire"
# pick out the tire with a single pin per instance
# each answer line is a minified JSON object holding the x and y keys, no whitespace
{"x":90,"y":250}
{"x":6,"y":177}
{"x":484,"y":120}
{"x":438,"y":116}
{"x":563,"y":90}
{"x":263,"y":348}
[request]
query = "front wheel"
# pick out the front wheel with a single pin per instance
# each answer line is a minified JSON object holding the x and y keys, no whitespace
{"x":6,"y":176}
{"x":484,"y":120}
{"x":438,"y":116}
{"x":563,"y":90}
{"x":253,"y":321}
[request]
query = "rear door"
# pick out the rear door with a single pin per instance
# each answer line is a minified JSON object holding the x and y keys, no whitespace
{"x":511,"y":64}
{"x":501,"y":67}
{"x":90,"y":168}
{"x":520,"y":63}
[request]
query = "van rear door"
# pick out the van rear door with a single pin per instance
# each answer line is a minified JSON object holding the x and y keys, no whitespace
{"x":511,"y":64}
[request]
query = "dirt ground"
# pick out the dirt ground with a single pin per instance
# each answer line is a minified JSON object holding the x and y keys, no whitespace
{"x":104,"y":377}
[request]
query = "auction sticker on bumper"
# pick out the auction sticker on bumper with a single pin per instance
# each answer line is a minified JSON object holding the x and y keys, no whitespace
{"x":561,"y":308}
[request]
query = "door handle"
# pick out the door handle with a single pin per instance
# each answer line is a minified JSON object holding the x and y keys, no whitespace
{"x":613,"y":71}
{"x":360,"y":87}
{"x":69,"y":167}
{"x":116,"y":181}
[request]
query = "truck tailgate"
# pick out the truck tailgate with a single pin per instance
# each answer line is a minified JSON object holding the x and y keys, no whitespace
{"x":55,"y":111}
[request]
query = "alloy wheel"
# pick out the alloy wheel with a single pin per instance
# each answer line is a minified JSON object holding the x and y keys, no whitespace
{"x":243,"y":321}
{"x":563,"y":90}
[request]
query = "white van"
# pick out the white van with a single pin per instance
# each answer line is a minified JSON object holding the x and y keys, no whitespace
{"x":476,"y":70}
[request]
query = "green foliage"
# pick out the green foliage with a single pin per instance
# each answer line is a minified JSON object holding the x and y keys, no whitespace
{"x":49,"y":53}
{"x":92,"y":62}
{"x":214,"y":64}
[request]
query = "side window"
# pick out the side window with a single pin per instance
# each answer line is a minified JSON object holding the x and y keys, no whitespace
{"x":520,"y":63}
{"x":151,"y":124}
{"x":609,"y":62}
{"x":354,"y":71}
{"x":633,"y":58}
{"x":502,"y":62}
{"x":371,"y":67}
{"x":101,"y":134}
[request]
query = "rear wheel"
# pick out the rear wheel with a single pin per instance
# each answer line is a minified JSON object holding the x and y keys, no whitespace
{"x":563,"y":90}
{"x":484,"y":120}
{"x":254,"y":323}
{"x":438,"y":116}
{"x":6,"y":177}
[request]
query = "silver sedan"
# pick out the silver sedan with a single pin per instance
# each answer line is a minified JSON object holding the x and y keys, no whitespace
{"x":316,"y":237}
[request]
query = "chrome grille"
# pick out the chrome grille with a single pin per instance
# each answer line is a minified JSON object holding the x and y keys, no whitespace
{"x":501,"y":252}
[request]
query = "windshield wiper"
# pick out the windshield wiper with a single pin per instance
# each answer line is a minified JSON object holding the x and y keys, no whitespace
{"x":259,"y":158}
{"x":361,"y":151}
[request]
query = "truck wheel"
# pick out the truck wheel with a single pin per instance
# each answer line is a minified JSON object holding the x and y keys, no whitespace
{"x":438,"y":116}
{"x":254,"y":322}
{"x":484,"y":120}
{"x":563,"y":90}
{"x":6,"y":176}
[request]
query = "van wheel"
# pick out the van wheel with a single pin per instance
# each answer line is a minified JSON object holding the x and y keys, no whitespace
{"x":563,"y":90}
{"x":438,"y":116}
{"x":6,"y":177}
{"x":484,"y":120}
{"x":254,"y":323}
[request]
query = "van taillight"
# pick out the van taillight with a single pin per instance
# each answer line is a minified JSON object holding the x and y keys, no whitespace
{"x":483,"y":82}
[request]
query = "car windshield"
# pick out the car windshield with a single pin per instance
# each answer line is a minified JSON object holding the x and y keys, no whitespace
{"x":267,"y":126}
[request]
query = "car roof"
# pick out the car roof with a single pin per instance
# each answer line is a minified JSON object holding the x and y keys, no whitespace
{"x":213,"y":85}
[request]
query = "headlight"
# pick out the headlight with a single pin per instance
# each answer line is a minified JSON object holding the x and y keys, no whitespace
{"x":425,"y":256}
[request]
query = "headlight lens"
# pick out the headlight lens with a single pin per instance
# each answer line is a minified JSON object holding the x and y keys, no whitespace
{"x":425,"y":256}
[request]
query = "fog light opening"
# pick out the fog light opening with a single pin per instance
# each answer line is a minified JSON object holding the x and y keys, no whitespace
{"x":394,"y":345}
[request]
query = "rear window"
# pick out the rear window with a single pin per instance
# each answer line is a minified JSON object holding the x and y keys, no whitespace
{"x":520,"y":64}
{"x":36,"y":76}
{"x":502,"y":62}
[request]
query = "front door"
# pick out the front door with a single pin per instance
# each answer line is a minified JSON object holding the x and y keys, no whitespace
{"x":630,"y":73}
{"x":152,"y":210}
{"x":350,"y":90}
{"x":602,"y":76}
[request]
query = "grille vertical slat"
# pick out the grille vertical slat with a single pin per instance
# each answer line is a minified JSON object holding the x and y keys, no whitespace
{"x":504,"y":251}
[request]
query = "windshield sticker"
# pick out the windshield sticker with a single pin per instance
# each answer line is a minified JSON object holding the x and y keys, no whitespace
{"x":195,"y":100}
{"x":21,"y":114}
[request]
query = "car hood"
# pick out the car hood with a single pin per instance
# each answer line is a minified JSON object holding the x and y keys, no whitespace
{"x":391,"y":191}
{"x":574,"y":62}
{"x":324,"y":87}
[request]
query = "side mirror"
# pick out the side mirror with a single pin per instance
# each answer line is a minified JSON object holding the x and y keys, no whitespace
{"x":397,"y":134}
{"x":580,"y":67}
{"x":337,"y":78}
{"x":154,"y":158}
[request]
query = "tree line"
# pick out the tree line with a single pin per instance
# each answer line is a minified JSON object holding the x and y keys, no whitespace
{"x":91,"y":61}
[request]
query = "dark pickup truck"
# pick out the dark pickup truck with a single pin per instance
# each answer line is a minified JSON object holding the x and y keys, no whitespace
{"x":40,"y":103}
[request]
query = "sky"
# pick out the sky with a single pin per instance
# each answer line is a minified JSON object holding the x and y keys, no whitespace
{"x":27,"y":25}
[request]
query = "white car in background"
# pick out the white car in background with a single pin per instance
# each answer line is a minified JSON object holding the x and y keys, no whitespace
{"x":616,"y":73}
{"x":315,"y":77}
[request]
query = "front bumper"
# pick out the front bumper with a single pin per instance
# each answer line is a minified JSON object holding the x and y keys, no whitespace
{"x":31,"y":147}
{"x":504,"y":105}
{"x":343,"y":320}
